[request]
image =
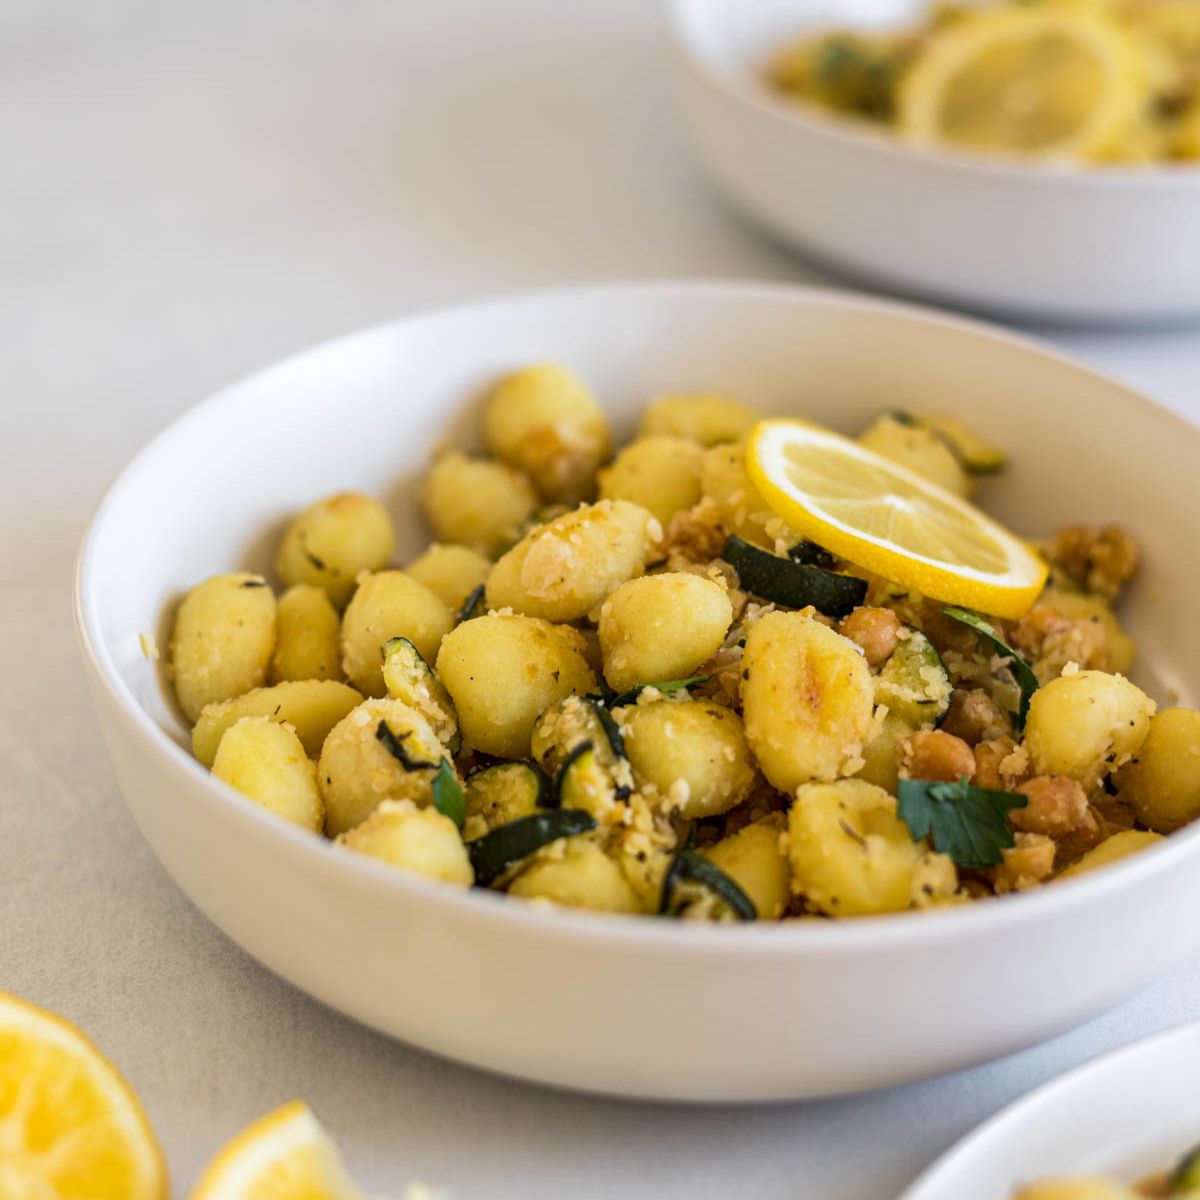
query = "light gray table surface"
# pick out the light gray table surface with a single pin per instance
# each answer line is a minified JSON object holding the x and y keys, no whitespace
{"x":187,"y":192}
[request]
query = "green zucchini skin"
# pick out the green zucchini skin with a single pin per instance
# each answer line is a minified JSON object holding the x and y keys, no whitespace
{"x":1185,"y":1179}
{"x":793,"y":584}
{"x":410,"y":678}
{"x":569,"y":765}
{"x":507,"y":791}
{"x":668,"y":687}
{"x":1026,"y":679}
{"x":689,"y":867}
{"x":915,"y":699}
{"x":501,"y":849}
{"x":809,"y":554}
{"x":395,"y":747}
{"x":473,"y":605}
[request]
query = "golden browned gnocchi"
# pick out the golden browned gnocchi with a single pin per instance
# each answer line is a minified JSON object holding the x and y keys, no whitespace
{"x":706,"y":419}
{"x":381,"y":750}
{"x":693,"y":754}
{"x":629,"y":684}
{"x":386,"y":605}
{"x":661,"y":627}
{"x":502,"y":670}
{"x":808,"y":697}
{"x":544,"y":421}
{"x":312,"y":707}
{"x":418,"y":839}
{"x":223,"y":638}
{"x":476,"y":502}
{"x":266,"y":761}
{"x":308,"y":641}
{"x":563,"y":569}
{"x":335,"y":539}
{"x":451,"y":572}
{"x":662,"y":474}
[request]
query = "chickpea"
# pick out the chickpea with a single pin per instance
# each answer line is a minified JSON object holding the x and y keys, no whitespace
{"x":1000,"y":764}
{"x":875,"y":630}
{"x":1057,"y":805}
{"x":932,"y":754}
{"x":975,"y":717}
{"x":1029,"y":862}
{"x":1099,"y":560}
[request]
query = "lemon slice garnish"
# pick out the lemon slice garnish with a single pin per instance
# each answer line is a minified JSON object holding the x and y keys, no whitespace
{"x":70,"y":1126}
{"x":1056,"y":81}
{"x":285,"y":1155}
{"x":890,"y":521}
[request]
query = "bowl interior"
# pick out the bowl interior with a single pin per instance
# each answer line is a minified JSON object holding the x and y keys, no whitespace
{"x":365,"y":412}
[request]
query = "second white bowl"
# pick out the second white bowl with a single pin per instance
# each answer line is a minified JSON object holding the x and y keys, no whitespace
{"x":1088,"y":243}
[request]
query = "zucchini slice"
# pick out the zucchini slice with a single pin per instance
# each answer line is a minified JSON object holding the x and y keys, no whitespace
{"x":793,"y":584}
{"x":497,"y":852}
{"x":583,"y":783}
{"x":974,"y":455}
{"x":1024,"y":675}
{"x":502,"y":792}
{"x":914,"y":682}
{"x":409,"y":678}
{"x":562,"y":728}
{"x":811,"y":555}
{"x":473,"y":606}
{"x":1185,"y":1178}
{"x":693,"y":879}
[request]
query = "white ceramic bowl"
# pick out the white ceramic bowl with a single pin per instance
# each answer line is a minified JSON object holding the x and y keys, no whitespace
{"x":1080,"y":244}
{"x":616,"y":1004}
{"x":1126,"y":1115}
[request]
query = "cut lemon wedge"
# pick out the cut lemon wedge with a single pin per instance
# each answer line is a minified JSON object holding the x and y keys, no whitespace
{"x":285,"y":1155}
{"x":888,"y":520}
{"x":70,"y":1126}
{"x":1058,"y":81}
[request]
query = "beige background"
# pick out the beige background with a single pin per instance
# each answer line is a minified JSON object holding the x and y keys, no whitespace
{"x":189,"y":192}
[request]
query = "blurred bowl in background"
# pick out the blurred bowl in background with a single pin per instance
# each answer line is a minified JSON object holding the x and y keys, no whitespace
{"x":1035,"y":239}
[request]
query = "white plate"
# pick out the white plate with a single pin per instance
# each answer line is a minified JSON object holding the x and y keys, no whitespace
{"x":630,"y":1005}
{"x":1128,"y":1115}
{"x":1090,"y":243}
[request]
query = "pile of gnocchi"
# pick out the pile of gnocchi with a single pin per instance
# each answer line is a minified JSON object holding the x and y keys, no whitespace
{"x":620,"y":682}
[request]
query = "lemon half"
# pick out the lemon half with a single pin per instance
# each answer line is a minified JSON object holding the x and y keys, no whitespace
{"x":70,"y":1126}
{"x":890,"y":521}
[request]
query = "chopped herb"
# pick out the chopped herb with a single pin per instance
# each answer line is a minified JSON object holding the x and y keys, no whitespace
{"x":811,"y":555}
{"x":1022,"y":672}
{"x":689,"y":867}
{"x":668,"y":688}
{"x":252,"y":583}
{"x":319,"y":563}
{"x":969,"y":824}
{"x":473,"y":606}
{"x":792,"y":584}
{"x":448,"y":797}
{"x":395,"y":747}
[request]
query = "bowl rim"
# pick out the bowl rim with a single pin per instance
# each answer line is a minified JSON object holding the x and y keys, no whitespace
{"x":898,"y":930}
{"x":752,"y":96}
{"x":1046,"y":1094}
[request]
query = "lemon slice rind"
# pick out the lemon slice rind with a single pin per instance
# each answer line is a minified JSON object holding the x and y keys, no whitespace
{"x":289,"y":1144}
{"x":890,"y":521}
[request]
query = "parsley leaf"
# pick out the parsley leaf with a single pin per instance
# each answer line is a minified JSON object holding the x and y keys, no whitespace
{"x":668,"y":688}
{"x":969,"y":824}
{"x":1023,"y":673}
{"x":448,"y":796}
